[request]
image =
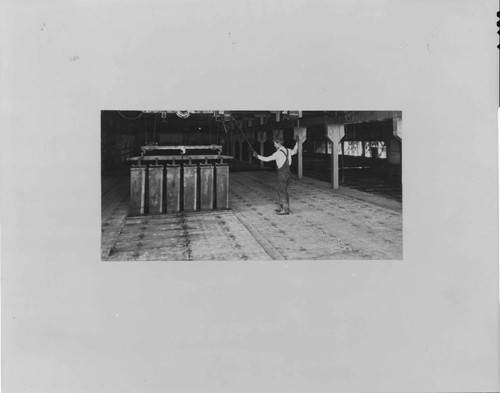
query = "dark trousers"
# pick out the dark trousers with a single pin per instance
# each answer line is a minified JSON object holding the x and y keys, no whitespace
{"x":282,"y":190}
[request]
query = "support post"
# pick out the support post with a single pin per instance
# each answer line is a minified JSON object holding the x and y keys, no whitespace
{"x":397,"y":128}
{"x":240,"y":141}
{"x":233,"y":147}
{"x":396,"y":149}
{"x":343,"y":152}
{"x":335,"y":132}
{"x":262,"y":117}
{"x":250,"y":137}
{"x":261,"y":138}
{"x":301,"y":134}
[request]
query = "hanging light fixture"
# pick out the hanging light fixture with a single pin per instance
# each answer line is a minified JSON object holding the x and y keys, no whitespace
{"x":183,"y":114}
{"x":227,"y":116}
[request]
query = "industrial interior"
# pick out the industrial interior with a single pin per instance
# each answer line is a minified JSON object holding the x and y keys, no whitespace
{"x":181,"y":185}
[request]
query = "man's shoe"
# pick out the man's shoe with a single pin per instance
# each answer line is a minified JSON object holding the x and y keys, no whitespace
{"x":278,"y":210}
{"x":282,"y":212}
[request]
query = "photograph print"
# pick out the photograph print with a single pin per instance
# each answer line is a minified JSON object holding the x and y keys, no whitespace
{"x":198,"y":185}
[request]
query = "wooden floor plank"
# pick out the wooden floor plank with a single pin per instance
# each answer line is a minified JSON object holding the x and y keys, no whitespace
{"x":323,"y":224}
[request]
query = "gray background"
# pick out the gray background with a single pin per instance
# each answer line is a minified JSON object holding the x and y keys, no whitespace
{"x":71,"y":323}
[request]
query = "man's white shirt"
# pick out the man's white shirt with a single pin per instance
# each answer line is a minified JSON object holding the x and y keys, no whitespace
{"x":280,"y":156}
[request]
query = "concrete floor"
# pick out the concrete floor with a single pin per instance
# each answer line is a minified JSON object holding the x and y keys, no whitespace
{"x":342,"y":224}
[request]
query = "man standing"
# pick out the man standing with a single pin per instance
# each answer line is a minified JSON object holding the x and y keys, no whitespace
{"x":283,"y":158}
